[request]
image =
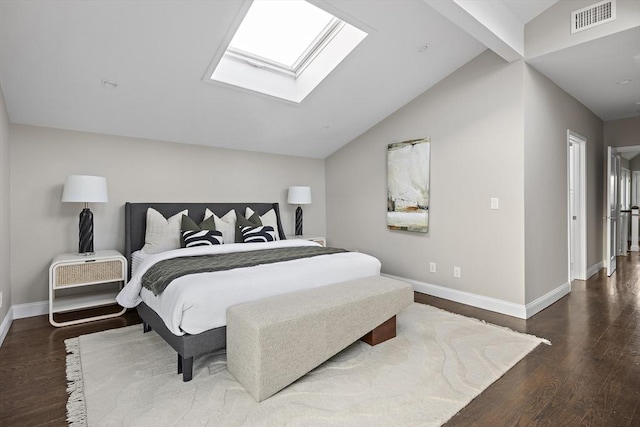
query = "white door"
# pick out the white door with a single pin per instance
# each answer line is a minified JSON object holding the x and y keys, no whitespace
{"x":576,"y":181}
{"x":613,"y":174}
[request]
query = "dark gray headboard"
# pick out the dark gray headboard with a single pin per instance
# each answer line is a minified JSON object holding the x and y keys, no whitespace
{"x":135,"y":218}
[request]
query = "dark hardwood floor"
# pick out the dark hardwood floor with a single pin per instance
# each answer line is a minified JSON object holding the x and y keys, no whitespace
{"x":33,"y":385}
{"x":589,"y":376}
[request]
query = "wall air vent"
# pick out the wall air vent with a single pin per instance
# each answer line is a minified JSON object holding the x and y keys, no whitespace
{"x":593,"y":15}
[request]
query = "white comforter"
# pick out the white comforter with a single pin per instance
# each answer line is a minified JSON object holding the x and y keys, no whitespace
{"x":198,"y":302}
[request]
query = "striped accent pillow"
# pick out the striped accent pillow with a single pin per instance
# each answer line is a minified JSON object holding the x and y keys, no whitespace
{"x":259,"y":234}
{"x":201,"y":238}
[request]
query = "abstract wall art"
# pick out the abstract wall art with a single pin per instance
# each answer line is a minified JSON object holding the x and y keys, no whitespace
{"x":408,"y":185}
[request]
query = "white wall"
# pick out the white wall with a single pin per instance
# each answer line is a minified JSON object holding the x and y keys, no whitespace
{"x":549,"y":112}
{"x":137,"y":171}
{"x":475,"y":121}
{"x":5,"y":250}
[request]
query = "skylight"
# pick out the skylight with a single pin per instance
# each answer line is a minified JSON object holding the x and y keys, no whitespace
{"x":281,"y":32}
{"x":277,"y":41}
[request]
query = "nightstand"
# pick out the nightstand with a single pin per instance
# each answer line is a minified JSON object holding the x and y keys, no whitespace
{"x":78,"y":282}
{"x":316,"y":239}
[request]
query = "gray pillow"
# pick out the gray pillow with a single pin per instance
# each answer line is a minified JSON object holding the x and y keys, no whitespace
{"x":241,"y":222}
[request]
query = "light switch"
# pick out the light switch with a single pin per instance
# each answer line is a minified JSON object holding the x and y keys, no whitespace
{"x":495,"y":203}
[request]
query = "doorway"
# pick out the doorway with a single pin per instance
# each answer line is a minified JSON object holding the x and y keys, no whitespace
{"x":576,"y":182}
{"x":629,"y":196}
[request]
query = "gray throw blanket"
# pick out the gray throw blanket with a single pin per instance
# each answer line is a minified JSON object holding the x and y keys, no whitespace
{"x":158,"y":277}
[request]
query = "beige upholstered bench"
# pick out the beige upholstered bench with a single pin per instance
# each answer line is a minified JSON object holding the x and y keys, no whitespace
{"x":274,"y":341}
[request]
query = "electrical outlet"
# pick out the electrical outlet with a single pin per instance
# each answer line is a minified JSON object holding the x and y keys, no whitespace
{"x":432,"y":267}
{"x":0,"y":299}
{"x":456,"y":272}
{"x":495,"y":203}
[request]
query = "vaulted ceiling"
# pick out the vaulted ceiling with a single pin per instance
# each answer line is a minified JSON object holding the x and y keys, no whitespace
{"x":54,"y":56}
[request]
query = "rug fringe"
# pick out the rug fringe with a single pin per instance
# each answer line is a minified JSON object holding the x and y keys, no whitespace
{"x":76,"y":407}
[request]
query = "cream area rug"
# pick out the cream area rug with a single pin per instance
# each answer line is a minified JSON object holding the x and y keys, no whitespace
{"x":436,"y":365}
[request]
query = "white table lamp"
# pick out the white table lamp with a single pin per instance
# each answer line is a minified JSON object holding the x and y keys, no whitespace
{"x":299,"y":196}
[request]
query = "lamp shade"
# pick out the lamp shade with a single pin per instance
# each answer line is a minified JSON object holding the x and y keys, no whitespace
{"x":299,"y":195}
{"x":85,"y":189}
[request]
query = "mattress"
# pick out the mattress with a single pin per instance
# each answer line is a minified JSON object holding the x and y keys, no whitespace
{"x":198,"y":302}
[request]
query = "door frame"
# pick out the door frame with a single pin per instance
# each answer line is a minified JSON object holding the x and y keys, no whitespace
{"x":624,"y":219}
{"x":613,"y":209}
{"x":577,"y":244}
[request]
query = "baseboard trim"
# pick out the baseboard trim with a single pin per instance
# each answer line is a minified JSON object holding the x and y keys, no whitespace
{"x":547,"y":299}
{"x":20,"y":311}
{"x":5,"y":325}
{"x":31,"y":309}
{"x":468,"y":298}
{"x":594,"y":269}
{"x":487,"y":303}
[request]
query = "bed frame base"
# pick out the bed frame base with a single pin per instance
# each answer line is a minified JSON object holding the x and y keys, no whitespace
{"x":187,"y":346}
{"x":185,"y":367}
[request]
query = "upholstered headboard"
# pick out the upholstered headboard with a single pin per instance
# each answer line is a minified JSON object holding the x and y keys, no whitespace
{"x":136,"y":218}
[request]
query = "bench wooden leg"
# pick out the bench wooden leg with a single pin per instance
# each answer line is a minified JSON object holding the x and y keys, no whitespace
{"x":382,"y":333}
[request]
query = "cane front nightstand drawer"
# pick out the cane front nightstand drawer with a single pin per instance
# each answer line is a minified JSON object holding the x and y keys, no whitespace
{"x":87,"y":272}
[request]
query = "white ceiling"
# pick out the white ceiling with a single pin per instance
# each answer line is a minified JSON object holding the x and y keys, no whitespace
{"x":590,"y":72}
{"x":54,"y":55}
{"x":525,"y":10}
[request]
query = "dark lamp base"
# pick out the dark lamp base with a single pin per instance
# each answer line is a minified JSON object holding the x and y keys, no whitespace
{"x":86,"y":232}
{"x":299,"y":221}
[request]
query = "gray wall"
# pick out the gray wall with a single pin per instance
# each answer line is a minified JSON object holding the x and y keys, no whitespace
{"x":549,"y":112}
{"x":497,"y":130}
{"x":139,"y":171}
{"x":550,"y":31}
{"x":475,"y":121}
{"x":623,"y":132}
{"x":5,"y":249}
{"x":625,"y":163}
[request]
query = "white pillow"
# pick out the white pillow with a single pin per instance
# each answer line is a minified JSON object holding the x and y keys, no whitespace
{"x":269,"y":218}
{"x":162,"y":234}
{"x":226,"y":225}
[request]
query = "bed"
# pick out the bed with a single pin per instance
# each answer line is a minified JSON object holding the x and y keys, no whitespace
{"x":194,"y":323}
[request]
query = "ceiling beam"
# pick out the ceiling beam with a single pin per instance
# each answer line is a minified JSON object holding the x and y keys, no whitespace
{"x":491,"y":23}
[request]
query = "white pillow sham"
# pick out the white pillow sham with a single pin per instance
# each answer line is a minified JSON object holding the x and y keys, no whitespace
{"x":226,"y":225}
{"x":162,"y":234}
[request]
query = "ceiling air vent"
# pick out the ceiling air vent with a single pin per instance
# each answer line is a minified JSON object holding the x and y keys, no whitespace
{"x":593,"y":15}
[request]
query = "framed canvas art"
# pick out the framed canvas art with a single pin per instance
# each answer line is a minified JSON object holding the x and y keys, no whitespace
{"x":408,"y":185}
